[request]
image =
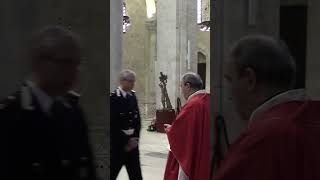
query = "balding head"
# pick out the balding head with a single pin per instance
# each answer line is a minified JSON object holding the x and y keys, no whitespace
{"x":193,"y":79}
{"x":259,"y":68}
{"x":270,"y":60}
{"x":190,"y":83}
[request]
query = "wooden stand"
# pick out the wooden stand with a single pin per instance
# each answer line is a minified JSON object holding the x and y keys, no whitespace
{"x":164,"y":117}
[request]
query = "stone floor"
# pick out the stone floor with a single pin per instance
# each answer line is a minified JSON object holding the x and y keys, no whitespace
{"x":153,"y":155}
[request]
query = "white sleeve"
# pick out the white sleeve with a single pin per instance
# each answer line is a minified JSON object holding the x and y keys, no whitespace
{"x":182,"y":175}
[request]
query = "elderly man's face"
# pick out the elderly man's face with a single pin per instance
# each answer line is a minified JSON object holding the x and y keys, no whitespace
{"x":60,"y":72}
{"x":240,"y":89}
{"x":128,"y":83}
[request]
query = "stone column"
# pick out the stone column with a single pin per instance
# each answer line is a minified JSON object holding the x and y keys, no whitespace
{"x":166,"y":48}
{"x":232,"y":20}
{"x":20,"y":19}
{"x":176,"y":43}
{"x":151,"y":55}
{"x":115,"y":42}
{"x":89,"y":21}
{"x":187,"y":40}
{"x":313,"y":54}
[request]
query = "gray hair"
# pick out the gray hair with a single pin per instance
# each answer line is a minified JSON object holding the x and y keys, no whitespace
{"x":124,"y":74}
{"x":270,"y":60}
{"x":193,"y":79}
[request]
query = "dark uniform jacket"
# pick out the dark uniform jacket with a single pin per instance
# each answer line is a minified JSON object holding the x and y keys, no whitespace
{"x":125,"y":116}
{"x":35,"y":145}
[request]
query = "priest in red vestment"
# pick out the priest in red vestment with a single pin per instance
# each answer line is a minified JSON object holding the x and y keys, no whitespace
{"x":282,"y":139}
{"x":189,"y":135}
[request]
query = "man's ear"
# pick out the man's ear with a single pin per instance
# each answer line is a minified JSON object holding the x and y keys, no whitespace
{"x":250,"y":74}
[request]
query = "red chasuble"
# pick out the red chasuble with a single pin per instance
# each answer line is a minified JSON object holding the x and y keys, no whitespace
{"x":189,"y":139}
{"x":281,"y":143}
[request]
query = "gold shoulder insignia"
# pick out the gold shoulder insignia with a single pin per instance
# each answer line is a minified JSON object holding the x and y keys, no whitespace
{"x":73,"y":93}
{"x":118,"y":92}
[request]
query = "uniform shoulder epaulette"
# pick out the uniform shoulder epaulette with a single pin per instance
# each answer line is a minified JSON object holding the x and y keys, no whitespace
{"x":73,"y":96}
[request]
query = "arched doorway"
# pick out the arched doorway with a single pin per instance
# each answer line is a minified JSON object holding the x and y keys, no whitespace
{"x":201,"y":68}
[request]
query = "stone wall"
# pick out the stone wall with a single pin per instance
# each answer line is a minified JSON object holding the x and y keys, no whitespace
{"x":313,"y":53}
{"x":20,"y":19}
{"x":134,"y":48}
{"x":232,"y":20}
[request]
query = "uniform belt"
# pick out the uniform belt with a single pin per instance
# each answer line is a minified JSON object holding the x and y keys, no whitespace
{"x":128,"y":132}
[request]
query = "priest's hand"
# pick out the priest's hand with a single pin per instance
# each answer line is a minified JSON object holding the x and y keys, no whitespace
{"x":132,"y":144}
{"x":167,"y":127}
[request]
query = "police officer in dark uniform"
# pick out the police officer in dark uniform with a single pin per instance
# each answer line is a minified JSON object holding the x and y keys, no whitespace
{"x":43,"y":130}
{"x":125,"y":128}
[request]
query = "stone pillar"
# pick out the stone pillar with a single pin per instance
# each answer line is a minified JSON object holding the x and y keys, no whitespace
{"x":20,"y":19}
{"x":313,"y":53}
{"x":232,"y":20}
{"x":176,"y":44}
{"x":166,"y":48}
{"x":89,"y":21}
{"x":133,"y":49}
{"x":151,"y":55}
{"x":187,"y":40}
{"x":115,"y":42}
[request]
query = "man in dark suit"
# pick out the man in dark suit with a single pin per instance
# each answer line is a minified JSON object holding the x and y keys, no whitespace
{"x":125,"y":128}
{"x":43,"y":131}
